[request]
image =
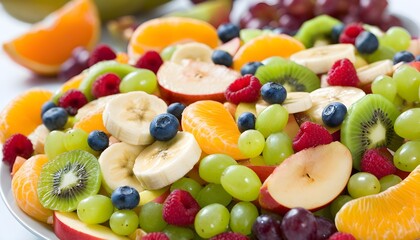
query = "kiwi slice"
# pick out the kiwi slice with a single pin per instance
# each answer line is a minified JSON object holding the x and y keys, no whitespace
{"x":67,"y":179}
{"x":294,"y":77}
{"x":318,"y":27}
{"x":369,"y":123}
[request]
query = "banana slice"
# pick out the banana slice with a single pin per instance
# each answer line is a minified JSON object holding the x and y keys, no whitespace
{"x":368,"y":73}
{"x":127,"y":116}
{"x":93,"y":106}
{"x":194,"y":51}
{"x":116,"y":164}
{"x":162,"y":163}
{"x":321,"y":59}
{"x":294,"y":103}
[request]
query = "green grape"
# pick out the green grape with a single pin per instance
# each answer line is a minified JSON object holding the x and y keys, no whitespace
{"x":381,"y":53}
{"x":257,"y":161}
{"x":324,"y":212}
{"x":407,"y":157}
{"x":139,"y":80}
{"x":54,"y":145}
{"x":211,"y":220}
{"x":188,"y":184}
{"x":278,"y":146}
{"x":211,"y":166}
{"x":389,"y":181}
{"x":124,"y":222}
{"x":396,"y":38}
{"x":178,"y":233}
{"x":167,"y":52}
{"x":272,"y":119}
{"x":338,"y":202}
{"x":385,"y":86}
{"x":76,"y":138}
{"x":248,"y":34}
{"x":151,"y":218}
{"x":213,"y":193}
{"x":362,"y":184}
{"x":241,"y":182}
{"x":95,"y":209}
{"x":251,"y":143}
{"x":407,"y":80}
{"x":242,"y":216}
{"x":407,"y":124}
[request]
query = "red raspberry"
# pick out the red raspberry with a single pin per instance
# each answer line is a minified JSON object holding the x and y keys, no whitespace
{"x":180,"y":208}
{"x":72,"y":101}
{"x":229,"y":236}
{"x":102,"y":52}
{"x":106,"y":84}
{"x":243,"y":89}
{"x":150,"y":60}
{"x":343,"y":73}
{"x":377,"y":163}
{"x":341,"y":236}
{"x":311,"y":135}
{"x":17,"y":145}
{"x":350,"y":33}
{"x":155,"y":236}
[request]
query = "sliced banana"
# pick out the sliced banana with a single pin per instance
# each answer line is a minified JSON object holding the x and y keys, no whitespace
{"x":368,"y":73}
{"x":321,"y":59}
{"x":194,"y":51}
{"x":127,"y":116}
{"x":294,"y":103}
{"x":162,"y":163}
{"x":93,"y":106}
{"x":117,"y":163}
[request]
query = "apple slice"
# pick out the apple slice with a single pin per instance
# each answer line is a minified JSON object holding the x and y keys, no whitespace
{"x":231,"y":46}
{"x":311,"y":179}
{"x":67,"y":226}
{"x":191,"y":81}
{"x":262,"y":171}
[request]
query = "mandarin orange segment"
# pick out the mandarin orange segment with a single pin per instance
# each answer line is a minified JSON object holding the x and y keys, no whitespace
{"x":25,"y":185}
{"x":23,"y":113}
{"x":72,"y":83}
{"x":392,"y":214}
{"x":91,"y":122}
{"x":156,"y":34}
{"x":267,"y":45}
{"x":213,"y":127}
{"x":49,"y":43}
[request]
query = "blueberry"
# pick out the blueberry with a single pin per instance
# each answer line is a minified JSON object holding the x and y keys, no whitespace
{"x":55,"y":118}
{"x":273,"y":92}
{"x":98,"y":140}
{"x":333,"y":114}
{"x":336,"y":32}
{"x":222,"y":58}
{"x":227,"y":32}
{"x":366,"y":42}
{"x":47,"y":106}
{"x":246,"y":121}
{"x":176,"y":109}
{"x":164,"y":127}
{"x":250,"y":68}
{"x":403,"y":56}
{"x":125,"y":197}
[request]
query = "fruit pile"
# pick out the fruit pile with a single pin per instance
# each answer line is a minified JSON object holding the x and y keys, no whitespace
{"x":227,"y":133}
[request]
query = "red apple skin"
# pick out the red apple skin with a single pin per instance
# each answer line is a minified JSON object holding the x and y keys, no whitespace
{"x":263,"y":172}
{"x":267,"y":202}
{"x":171,"y":97}
{"x":162,"y":197}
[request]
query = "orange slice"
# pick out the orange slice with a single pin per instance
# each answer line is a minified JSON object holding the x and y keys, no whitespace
{"x":49,"y":43}
{"x":91,"y":122}
{"x":264,"y":46}
{"x":213,"y":127}
{"x":392,"y":214}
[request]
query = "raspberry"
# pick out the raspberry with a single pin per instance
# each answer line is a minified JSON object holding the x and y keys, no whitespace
{"x":72,"y":101}
{"x":243,"y":89}
{"x":341,"y":236}
{"x":374,"y":161}
{"x":150,"y":60}
{"x":102,"y":52}
{"x":343,"y":73}
{"x":311,"y":135}
{"x":155,"y":236}
{"x":229,"y":236}
{"x":17,"y":145}
{"x":106,"y":84}
{"x":180,"y":208}
{"x":350,"y":33}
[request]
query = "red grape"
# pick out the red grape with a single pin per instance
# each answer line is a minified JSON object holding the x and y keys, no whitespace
{"x":371,"y":11}
{"x":303,"y":8}
{"x":267,"y":226}
{"x":299,"y":223}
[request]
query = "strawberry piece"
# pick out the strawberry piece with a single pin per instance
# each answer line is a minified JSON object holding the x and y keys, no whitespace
{"x":350,"y":33}
{"x":150,"y":60}
{"x":343,"y":73}
{"x":16,"y":145}
{"x":311,"y":135}
{"x":106,"y":84}
{"x":341,"y":236}
{"x":415,"y":64}
{"x":72,"y":101}
{"x":180,"y":208}
{"x":102,"y":52}
{"x":374,"y":161}
{"x":243,"y":89}
{"x":229,"y":236}
{"x":155,"y":236}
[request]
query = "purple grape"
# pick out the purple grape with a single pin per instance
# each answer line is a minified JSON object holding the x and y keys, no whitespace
{"x":324,"y":228}
{"x":267,"y":226}
{"x":371,"y":11}
{"x":299,"y":224}
{"x":299,"y":7}
{"x":75,"y":64}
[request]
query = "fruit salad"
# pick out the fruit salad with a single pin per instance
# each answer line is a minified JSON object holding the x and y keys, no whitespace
{"x":198,"y":132}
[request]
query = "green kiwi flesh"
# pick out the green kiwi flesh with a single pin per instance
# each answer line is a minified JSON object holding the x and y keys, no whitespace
{"x":318,"y":27}
{"x":368,"y":124}
{"x":294,"y":77}
{"x":67,"y":179}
